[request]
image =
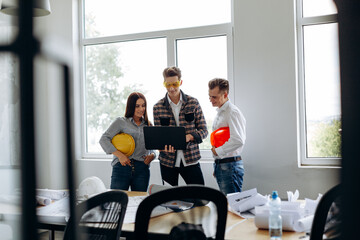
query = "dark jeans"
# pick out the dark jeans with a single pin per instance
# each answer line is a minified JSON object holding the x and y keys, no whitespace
{"x":229,"y":176}
{"x":191,"y":174}
{"x":136,"y":176}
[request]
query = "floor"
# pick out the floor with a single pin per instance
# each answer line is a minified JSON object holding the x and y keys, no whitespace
{"x":45,"y":235}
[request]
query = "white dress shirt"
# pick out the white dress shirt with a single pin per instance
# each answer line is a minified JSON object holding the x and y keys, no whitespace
{"x":228,"y":115}
{"x":176,"y":111}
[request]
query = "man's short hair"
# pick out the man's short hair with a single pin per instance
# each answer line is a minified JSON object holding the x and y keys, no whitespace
{"x":223,"y":84}
{"x":171,"y":72}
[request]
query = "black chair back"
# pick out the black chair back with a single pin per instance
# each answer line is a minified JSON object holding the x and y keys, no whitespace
{"x":195,"y":193}
{"x":321,"y":212}
{"x":100,"y":217}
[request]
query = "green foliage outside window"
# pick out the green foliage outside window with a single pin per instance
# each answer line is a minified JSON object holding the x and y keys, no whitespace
{"x":206,"y":142}
{"x":326,"y":140}
{"x":106,"y":89}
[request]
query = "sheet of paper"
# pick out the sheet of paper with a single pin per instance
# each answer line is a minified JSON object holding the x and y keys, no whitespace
{"x":292,"y":197}
{"x":311,"y":205}
{"x":58,"y":211}
{"x":246,"y":215}
{"x":234,"y":198}
{"x":295,"y":206}
{"x":133,"y":205}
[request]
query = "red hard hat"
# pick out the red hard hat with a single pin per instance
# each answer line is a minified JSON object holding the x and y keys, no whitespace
{"x":219,"y":136}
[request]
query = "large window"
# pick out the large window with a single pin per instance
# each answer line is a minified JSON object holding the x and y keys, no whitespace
{"x":127,"y":44}
{"x":319,"y":83}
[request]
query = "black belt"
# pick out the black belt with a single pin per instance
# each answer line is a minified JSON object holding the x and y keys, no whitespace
{"x":227,"y":160}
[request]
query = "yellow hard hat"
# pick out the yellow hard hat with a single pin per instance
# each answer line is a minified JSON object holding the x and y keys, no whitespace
{"x":124,"y":143}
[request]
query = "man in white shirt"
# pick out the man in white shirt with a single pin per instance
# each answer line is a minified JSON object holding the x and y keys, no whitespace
{"x":228,"y":166}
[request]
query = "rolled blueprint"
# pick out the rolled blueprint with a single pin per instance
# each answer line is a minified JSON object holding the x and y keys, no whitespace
{"x":52,"y":194}
{"x":304,"y":224}
{"x":43,"y":200}
{"x":289,"y":219}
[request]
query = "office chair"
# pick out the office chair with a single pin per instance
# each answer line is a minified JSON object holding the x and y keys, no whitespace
{"x":323,"y":222}
{"x":100,"y":217}
{"x":198,"y":195}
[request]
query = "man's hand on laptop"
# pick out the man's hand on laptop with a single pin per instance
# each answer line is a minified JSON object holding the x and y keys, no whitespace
{"x":169,"y":149}
{"x":189,"y":137}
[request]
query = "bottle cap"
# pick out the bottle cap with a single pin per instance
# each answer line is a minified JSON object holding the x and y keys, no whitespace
{"x":274,"y":195}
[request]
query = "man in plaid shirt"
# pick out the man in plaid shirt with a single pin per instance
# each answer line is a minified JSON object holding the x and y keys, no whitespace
{"x":179,"y":109}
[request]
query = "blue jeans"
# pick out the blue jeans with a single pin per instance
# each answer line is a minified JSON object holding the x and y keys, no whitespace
{"x":136,"y":176}
{"x":229,"y":176}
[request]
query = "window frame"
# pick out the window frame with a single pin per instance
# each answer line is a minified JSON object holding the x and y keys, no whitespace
{"x":225,"y":29}
{"x":301,"y":22}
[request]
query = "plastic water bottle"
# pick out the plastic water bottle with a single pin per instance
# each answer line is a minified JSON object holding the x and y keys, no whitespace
{"x":275,"y":222}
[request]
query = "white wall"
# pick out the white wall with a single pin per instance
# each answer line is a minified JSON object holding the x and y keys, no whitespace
{"x":55,"y":32}
{"x":265,"y":90}
{"x":265,"y":74}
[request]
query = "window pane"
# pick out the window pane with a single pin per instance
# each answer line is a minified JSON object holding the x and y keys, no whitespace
{"x":114,"y":17}
{"x":113,"y":71}
{"x":200,"y":60}
{"x":318,"y":8}
{"x":322,"y":90}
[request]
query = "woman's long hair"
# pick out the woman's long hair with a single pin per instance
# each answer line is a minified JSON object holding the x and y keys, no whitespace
{"x":131,"y":103}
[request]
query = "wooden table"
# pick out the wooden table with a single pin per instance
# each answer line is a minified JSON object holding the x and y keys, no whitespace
{"x":236,"y":227}
{"x":239,"y":228}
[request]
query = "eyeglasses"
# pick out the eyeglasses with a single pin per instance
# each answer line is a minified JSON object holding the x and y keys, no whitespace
{"x":174,"y":84}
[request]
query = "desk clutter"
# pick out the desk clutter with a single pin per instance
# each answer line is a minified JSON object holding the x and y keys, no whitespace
{"x":58,"y":210}
{"x":45,"y":196}
{"x":172,"y":206}
{"x":296,"y":216}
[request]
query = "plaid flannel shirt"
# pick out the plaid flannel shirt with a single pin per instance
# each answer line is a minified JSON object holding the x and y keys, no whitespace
{"x":191,"y":117}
